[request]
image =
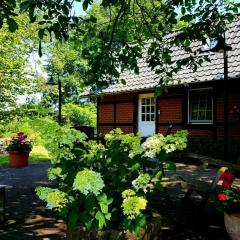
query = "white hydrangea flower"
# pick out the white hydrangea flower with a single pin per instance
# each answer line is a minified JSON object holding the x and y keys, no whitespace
{"x":169,"y":148}
{"x":153,"y":145}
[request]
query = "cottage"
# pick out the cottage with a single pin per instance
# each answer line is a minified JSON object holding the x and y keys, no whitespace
{"x":196,"y":104}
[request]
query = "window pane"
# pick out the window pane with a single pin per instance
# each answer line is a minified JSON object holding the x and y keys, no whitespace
{"x":143,"y":109}
{"x":152,"y":117}
{"x":147,"y":109}
{"x":201,"y":115}
{"x":143,"y":101}
{"x":152,"y":109}
{"x":200,"y":102}
{"x":202,"y":105}
{"x":147,"y":101}
{"x":143,"y":117}
{"x":148,"y":117}
{"x":194,"y":116}
{"x":208,"y":115}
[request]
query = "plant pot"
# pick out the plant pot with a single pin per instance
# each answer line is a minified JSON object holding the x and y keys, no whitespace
{"x":232,"y":224}
{"x":18,"y":159}
{"x":151,"y":232}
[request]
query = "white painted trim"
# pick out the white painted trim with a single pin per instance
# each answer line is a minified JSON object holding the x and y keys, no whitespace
{"x":199,"y":121}
{"x":140,"y":96}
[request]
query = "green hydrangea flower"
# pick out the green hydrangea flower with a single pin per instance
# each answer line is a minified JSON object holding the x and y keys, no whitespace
{"x":53,"y":173}
{"x":128,"y":193}
{"x":132,"y":206}
{"x":141,"y":182}
{"x":54,"y":198}
{"x":43,"y":192}
{"x":88,"y":181}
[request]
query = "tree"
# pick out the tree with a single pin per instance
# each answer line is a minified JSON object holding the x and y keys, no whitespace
{"x":65,"y":60}
{"x":114,"y":46}
{"x":16,"y":74}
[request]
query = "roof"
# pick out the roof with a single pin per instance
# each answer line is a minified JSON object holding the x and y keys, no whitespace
{"x":209,"y":71}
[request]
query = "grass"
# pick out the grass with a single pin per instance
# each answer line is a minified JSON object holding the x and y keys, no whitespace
{"x":38,"y":154}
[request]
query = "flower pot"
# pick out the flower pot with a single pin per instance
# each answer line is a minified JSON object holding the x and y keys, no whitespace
{"x":232,"y":224}
{"x":151,"y":232}
{"x":18,"y":159}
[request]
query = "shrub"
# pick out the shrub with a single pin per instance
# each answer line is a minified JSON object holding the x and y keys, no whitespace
{"x":77,"y":115}
{"x":25,"y":125}
{"x":103,"y":186}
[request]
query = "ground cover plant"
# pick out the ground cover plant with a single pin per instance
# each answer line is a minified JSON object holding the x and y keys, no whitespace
{"x":105,"y":186}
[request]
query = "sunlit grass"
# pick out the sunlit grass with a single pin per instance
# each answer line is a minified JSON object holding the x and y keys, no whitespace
{"x":38,"y":154}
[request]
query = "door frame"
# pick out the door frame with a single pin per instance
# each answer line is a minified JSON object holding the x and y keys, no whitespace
{"x":139,"y":109}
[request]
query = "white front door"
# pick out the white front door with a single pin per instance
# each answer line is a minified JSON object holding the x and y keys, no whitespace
{"x":146,"y":114}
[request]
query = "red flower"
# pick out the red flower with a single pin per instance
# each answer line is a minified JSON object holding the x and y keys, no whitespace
{"x":227,"y":179}
{"x":222,"y":197}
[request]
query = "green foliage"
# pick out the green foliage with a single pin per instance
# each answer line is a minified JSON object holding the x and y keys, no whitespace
{"x":22,"y":125}
{"x":59,"y":141}
{"x":55,"y":198}
{"x":104,"y":185}
{"x":15,"y":50}
{"x":79,"y":115}
{"x":65,"y":62}
{"x":113,"y":34}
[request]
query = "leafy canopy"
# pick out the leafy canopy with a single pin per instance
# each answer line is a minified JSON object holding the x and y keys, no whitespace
{"x":113,"y":39}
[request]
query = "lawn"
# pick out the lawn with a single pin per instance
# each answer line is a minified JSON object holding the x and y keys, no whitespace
{"x":38,"y":154}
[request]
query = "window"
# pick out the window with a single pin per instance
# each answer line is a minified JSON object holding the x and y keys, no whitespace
{"x":148,"y":109}
{"x":200,"y":105}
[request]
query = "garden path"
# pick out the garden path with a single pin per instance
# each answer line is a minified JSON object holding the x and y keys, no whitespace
{"x":28,"y":219}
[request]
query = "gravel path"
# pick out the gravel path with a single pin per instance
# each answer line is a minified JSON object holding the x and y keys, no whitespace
{"x":28,"y":219}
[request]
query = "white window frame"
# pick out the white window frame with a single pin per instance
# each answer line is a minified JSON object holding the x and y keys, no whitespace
{"x":198,"y":121}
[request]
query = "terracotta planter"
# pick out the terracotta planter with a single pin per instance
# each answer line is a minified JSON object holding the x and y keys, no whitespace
{"x":18,"y":159}
{"x":232,"y":224}
{"x":151,"y":232}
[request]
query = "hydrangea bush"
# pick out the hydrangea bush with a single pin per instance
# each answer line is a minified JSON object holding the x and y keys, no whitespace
{"x":105,"y":186}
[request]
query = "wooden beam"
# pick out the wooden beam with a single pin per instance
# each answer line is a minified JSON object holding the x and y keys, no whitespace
{"x":135,"y":113}
{"x":114,"y":111}
{"x":97,"y":116}
{"x":156,"y":114}
{"x":116,"y":101}
{"x":116,"y":124}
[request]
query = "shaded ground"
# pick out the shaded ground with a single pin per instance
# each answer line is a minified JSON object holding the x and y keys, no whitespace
{"x":189,"y":223}
{"x":28,"y":219}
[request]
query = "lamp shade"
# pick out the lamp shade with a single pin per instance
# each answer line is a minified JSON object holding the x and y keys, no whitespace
{"x":51,"y":81}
